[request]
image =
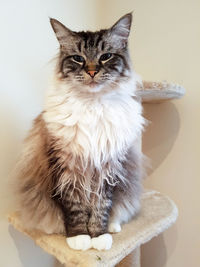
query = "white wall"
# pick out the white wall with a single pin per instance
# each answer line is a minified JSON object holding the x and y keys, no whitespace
{"x":164,"y":44}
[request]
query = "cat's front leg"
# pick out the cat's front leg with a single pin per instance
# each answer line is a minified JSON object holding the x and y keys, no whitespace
{"x":76,"y":216}
{"x":98,"y":230}
{"x":76,"y":220}
{"x":98,"y":221}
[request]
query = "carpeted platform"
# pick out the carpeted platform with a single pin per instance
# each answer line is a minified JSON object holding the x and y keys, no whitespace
{"x":157,"y":214}
{"x":156,"y":92}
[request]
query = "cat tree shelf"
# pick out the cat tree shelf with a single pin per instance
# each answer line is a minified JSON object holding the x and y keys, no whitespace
{"x":157,"y":92}
{"x":157,"y":214}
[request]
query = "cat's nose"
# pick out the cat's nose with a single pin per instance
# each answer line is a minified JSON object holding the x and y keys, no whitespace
{"x":92,"y":73}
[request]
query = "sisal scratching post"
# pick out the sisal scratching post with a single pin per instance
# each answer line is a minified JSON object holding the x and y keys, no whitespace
{"x":158,"y":213}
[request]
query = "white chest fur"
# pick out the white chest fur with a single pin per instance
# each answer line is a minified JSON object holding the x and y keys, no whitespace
{"x":99,"y":129}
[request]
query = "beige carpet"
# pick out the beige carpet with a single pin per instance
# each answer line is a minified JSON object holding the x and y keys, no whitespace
{"x":157,"y":214}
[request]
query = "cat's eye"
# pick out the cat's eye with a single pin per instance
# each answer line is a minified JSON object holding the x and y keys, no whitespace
{"x":105,"y":57}
{"x":78,"y":58}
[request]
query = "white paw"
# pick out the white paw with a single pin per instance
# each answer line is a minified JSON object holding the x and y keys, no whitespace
{"x":102,"y":242}
{"x":114,"y":228}
{"x":79,"y":242}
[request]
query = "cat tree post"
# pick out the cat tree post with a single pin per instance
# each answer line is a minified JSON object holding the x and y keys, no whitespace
{"x":157,"y":214}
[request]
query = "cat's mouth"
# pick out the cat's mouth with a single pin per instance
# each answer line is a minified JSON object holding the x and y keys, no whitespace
{"x":93,"y":84}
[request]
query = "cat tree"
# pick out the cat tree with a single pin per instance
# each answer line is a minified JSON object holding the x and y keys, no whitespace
{"x":157,"y":214}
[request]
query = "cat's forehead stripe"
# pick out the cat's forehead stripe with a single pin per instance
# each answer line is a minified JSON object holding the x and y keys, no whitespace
{"x":102,"y":46}
{"x":91,"y":40}
{"x":79,"y":46}
{"x":98,"y":39}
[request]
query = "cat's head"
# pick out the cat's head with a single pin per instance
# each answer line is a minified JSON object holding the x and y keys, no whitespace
{"x":93,"y":60}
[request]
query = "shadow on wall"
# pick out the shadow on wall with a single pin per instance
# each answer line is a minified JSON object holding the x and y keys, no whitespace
{"x":154,"y":253}
{"x":161,"y":133}
{"x":151,"y":256}
{"x":9,"y":143}
{"x":30,"y":254}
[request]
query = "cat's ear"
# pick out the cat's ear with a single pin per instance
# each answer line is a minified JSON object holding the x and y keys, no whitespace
{"x":121,"y":29}
{"x":63,"y":34}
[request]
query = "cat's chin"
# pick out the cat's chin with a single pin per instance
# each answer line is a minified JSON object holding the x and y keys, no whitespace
{"x":94,"y":87}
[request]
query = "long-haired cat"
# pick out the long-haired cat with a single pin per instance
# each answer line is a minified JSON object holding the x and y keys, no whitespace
{"x":80,"y":170}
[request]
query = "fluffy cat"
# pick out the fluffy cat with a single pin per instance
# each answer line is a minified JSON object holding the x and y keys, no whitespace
{"x":81,"y":167}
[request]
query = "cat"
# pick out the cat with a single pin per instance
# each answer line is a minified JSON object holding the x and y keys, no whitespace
{"x":81,"y":167}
